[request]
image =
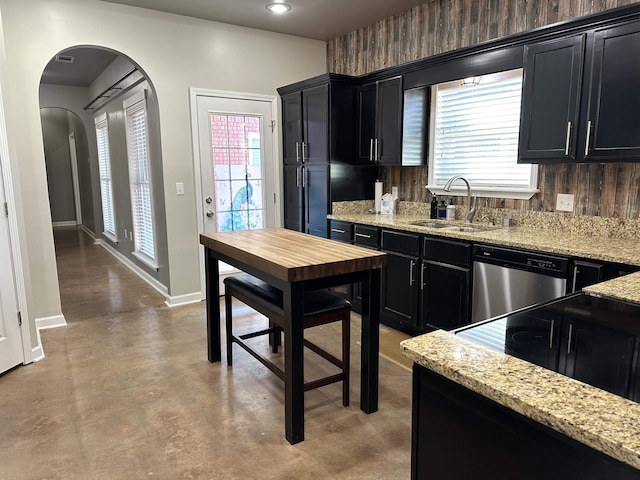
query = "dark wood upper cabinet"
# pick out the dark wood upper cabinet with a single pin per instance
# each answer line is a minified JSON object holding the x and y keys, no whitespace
{"x":613,"y":123}
{"x":379,"y":116}
{"x":550,"y":99}
{"x":579,"y":99}
{"x":305,"y":118}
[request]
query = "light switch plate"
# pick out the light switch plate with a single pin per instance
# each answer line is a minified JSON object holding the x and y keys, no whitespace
{"x":564,"y":202}
{"x":179,"y":188}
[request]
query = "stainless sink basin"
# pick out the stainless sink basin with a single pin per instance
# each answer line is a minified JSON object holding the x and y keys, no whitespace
{"x":447,"y":226}
{"x":432,"y":224}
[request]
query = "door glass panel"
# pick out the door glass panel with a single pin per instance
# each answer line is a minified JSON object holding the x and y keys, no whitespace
{"x":237,"y":158}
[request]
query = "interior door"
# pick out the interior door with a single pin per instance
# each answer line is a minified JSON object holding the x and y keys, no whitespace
{"x":239,"y":177}
{"x":11,"y":353}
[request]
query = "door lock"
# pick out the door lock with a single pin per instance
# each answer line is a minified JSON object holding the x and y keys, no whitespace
{"x":208,"y":199}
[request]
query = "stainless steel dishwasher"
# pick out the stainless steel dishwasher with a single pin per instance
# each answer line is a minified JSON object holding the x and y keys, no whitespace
{"x":505,"y":280}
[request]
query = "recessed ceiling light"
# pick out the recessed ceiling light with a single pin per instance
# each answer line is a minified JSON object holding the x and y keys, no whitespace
{"x":278,"y":7}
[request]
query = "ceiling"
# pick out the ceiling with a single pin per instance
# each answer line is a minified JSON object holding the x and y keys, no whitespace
{"x":315,"y":19}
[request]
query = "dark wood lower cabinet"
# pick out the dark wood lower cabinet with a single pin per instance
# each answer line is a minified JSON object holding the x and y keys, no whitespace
{"x":446,"y":291}
{"x":459,"y":434}
{"x":400,"y":292}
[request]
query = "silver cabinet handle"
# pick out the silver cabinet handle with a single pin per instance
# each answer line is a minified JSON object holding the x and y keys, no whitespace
{"x":376,"y":158}
{"x":371,"y":151}
{"x":304,"y":177}
{"x":422,"y":285}
{"x":297,"y":177}
{"x":337,"y":230}
{"x":411,"y":273}
{"x":586,"y":147}
{"x":575,"y":278}
{"x":304,"y":146}
{"x":566,"y":146}
{"x":297,"y":152}
{"x":553,"y":323}
{"x":569,"y":344}
{"x":362,"y":235}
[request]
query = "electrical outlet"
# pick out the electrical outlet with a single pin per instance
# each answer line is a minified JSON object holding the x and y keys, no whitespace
{"x":564,"y":202}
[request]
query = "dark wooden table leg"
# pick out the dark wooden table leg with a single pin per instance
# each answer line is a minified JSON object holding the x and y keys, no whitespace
{"x":213,"y":306}
{"x":293,"y":303}
{"x":370,"y":342}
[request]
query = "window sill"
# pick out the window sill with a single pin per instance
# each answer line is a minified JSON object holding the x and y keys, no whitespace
{"x":456,"y":191}
{"x":149,"y":262}
{"x":110,"y":236}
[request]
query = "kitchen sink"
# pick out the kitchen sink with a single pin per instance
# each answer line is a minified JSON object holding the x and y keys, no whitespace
{"x":455,"y":228}
{"x":432,"y":224}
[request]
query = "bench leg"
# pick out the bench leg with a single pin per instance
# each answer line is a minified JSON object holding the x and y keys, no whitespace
{"x":346,"y":356}
{"x":275,"y":338}
{"x":229,"y":326}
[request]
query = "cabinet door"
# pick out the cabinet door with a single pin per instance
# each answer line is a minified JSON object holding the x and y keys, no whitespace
{"x":293,"y":201}
{"x":315,"y":114}
{"x":389,"y":121}
{"x":400,"y":291}
{"x":550,"y":100}
{"x":600,"y":356}
{"x":292,"y":128}
{"x":585,"y":274}
{"x":446,"y":294}
{"x":614,"y":103}
{"x":316,"y":199}
{"x":366,"y":122}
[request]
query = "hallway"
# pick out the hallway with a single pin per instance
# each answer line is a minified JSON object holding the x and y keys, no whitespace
{"x":126,"y":392}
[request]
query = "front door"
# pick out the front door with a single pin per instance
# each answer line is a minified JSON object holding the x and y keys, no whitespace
{"x":239,"y":176}
{"x":11,"y":352}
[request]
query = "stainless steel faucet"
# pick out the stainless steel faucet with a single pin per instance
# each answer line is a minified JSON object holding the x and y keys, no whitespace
{"x":470,"y":210}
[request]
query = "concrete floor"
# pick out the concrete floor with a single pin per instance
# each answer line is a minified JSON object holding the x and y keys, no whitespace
{"x":126,"y":392}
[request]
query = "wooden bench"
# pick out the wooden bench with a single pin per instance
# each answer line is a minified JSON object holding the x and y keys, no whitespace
{"x":320,"y":308}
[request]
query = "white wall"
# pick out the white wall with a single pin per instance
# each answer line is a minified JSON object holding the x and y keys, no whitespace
{"x":176,"y":53}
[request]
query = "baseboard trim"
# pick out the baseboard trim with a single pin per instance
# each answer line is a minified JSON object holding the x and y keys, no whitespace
{"x":68,"y":223}
{"x":44,"y":323}
{"x":160,"y":288}
{"x":89,"y":233}
{"x":175,"y":301}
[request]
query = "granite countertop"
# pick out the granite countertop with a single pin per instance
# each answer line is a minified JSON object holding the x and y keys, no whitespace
{"x":618,"y":250}
{"x":604,"y":421}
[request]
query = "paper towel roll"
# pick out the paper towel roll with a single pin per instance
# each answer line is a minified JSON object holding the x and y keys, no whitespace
{"x":378,"y":195}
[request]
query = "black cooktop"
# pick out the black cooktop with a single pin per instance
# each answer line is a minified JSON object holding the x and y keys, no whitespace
{"x":592,"y":339}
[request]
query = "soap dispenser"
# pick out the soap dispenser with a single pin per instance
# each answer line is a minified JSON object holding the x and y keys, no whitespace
{"x":434,"y":206}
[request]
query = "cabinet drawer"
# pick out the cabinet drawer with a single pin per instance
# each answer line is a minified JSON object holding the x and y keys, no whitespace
{"x":401,"y":242}
{"x":341,"y":231}
{"x":366,"y":236}
{"x":447,"y":251}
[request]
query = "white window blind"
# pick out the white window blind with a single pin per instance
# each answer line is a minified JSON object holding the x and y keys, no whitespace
{"x":104,"y":167}
{"x":475,"y":132}
{"x":139,"y":178}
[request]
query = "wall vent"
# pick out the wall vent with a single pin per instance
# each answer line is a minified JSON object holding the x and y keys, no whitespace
{"x":62,"y":58}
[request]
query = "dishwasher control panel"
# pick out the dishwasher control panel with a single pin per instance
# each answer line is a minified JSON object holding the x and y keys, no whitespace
{"x":521,"y":259}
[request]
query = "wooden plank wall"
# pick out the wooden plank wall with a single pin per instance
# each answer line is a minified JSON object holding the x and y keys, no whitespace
{"x":608,"y":190}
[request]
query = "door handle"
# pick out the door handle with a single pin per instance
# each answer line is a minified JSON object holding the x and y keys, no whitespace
{"x":209,"y":214}
{"x":422,"y":277}
{"x":304,"y":177}
{"x":362,"y":235}
{"x":304,"y":147}
{"x":553,"y":324}
{"x":297,"y":152}
{"x":376,"y":157}
{"x":411,"y":265}
{"x":566,"y":146}
{"x":569,"y":343}
{"x":586,"y":146}
{"x":371,"y":151}
{"x":297,"y":177}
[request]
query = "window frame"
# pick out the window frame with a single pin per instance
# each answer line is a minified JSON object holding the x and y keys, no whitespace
{"x":101,"y":123}
{"x":481,"y":191}
{"x":132,"y":105}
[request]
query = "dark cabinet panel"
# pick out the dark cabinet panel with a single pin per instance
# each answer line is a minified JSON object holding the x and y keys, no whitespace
{"x":380,"y":122}
{"x":340,"y":231}
{"x":315,"y":110}
{"x":599,"y":355}
{"x":614,"y":103}
{"x":550,"y":99}
{"x":446,"y":293}
{"x":585,"y":274}
{"x":316,"y":198}
{"x":293,"y":202}
{"x":292,"y":127}
{"x":400,"y":291}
